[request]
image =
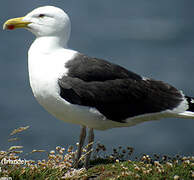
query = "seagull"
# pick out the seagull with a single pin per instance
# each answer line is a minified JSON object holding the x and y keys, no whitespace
{"x":87,"y":91}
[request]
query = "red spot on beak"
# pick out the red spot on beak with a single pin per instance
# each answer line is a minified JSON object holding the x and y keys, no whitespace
{"x":10,"y":27}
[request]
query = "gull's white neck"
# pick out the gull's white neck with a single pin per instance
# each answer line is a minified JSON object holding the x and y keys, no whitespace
{"x":48,"y":44}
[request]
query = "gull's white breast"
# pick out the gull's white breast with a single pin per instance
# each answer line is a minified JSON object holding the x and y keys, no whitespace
{"x":44,"y":71}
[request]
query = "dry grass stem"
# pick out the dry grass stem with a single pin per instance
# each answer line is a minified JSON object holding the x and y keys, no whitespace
{"x":18,"y":130}
{"x":35,"y":150}
{"x":13,"y":139}
{"x":15,"y":147}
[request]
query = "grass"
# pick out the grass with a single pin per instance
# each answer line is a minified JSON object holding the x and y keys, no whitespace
{"x":59,"y":165}
{"x":142,"y":170}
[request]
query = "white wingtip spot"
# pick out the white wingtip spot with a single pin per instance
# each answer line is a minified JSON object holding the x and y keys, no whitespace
{"x":183,"y":106}
{"x":145,"y":78}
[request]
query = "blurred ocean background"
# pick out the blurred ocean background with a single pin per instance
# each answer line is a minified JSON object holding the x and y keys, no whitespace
{"x":152,"y":38}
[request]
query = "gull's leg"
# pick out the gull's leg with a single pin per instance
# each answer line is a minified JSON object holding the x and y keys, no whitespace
{"x":89,"y":147}
{"x":80,"y":146}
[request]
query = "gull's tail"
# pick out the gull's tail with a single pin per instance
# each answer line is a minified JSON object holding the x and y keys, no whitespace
{"x":190,"y":101}
{"x":189,"y":113}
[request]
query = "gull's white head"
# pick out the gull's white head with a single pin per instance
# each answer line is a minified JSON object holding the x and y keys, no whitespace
{"x":43,"y":22}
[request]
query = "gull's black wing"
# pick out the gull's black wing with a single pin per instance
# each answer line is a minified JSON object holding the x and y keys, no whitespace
{"x":114,"y":91}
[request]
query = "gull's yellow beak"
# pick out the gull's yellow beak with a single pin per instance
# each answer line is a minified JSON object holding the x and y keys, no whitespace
{"x":15,"y":23}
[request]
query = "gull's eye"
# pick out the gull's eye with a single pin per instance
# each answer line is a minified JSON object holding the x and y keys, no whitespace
{"x":41,"y":15}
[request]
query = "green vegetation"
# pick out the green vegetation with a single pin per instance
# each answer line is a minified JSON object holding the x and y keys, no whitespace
{"x":59,"y":165}
{"x":143,"y":170}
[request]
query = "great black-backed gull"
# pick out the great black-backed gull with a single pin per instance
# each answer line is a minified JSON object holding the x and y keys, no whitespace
{"x":88,"y":91}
